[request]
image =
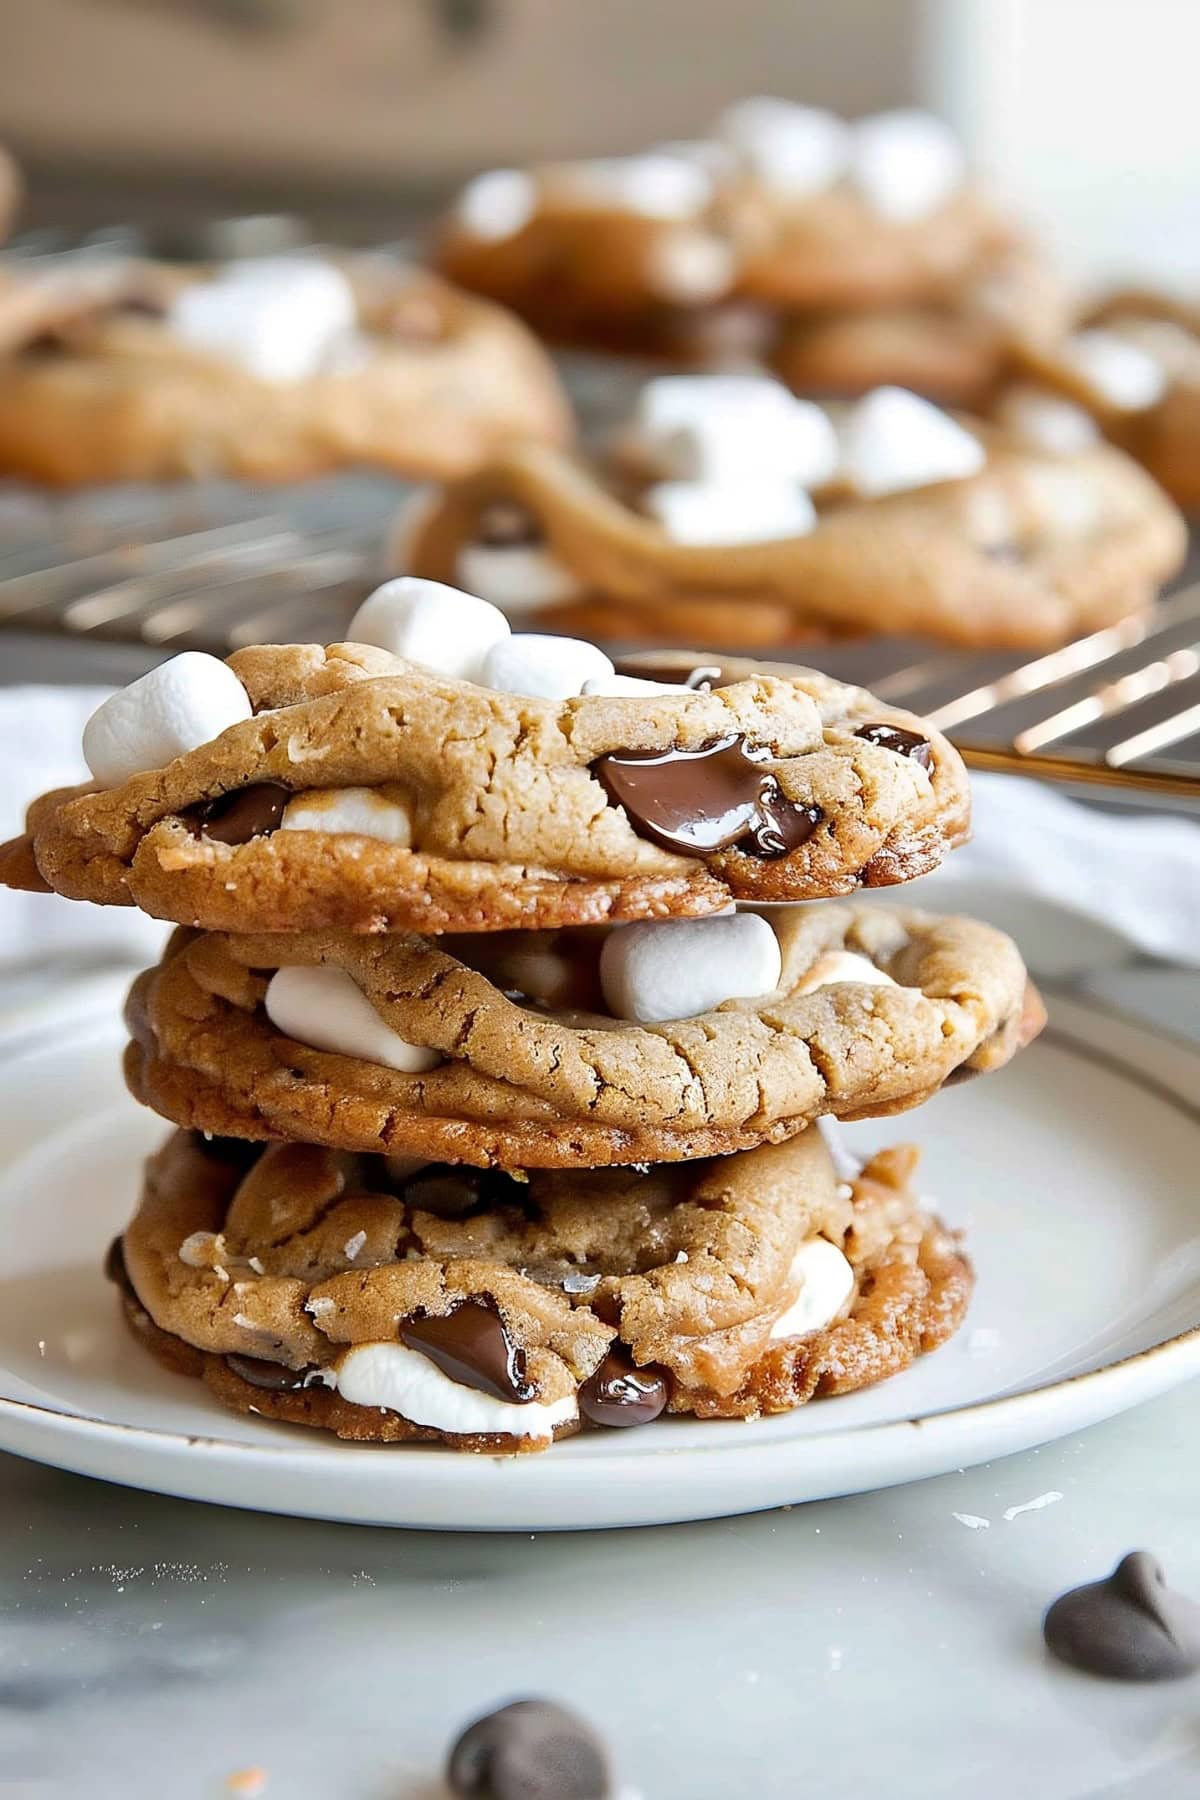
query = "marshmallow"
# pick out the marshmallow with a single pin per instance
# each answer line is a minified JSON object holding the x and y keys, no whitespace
{"x":797,"y":150}
{"x":427,"y":622}
{"x":677,"y":968}
{"x":656,"y":186}
{"x":324,"y":1008}
{"x":519,"y":578}
{"x":630,"y":686}
{"x":842,"y":965}
{"x":714,"y":512}
{"x":363,"y":811}
{"x":280,"y":317}
{"x":691,"y":268}
{"x":544,"y":668}
{"x":906,"y":164}
{"x":826,"y":1283}
{"x":1122,"y":373}
{"x":396,"y":1379}
{"x":1172,"y":346}
{"x":497,"y":205}
{"x":733,"y":427}
{"x":1046,"y":421}
{"x":893,"y":440}
{"x":182,"y":704}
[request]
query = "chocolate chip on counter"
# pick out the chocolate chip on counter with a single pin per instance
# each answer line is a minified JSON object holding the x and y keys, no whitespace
{"x":530,"y":1750}
{"x":620,"y":1394}
{"x":895,"y":737}
{"x":698,"y":801}
{"x":471,"y":1345}
{"x":245,"y":813}
{"x":1129,"y":1626}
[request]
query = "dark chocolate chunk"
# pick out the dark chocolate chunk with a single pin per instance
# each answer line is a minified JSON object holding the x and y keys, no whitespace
{"x":471,"y":1345}
{"x":1130,"y":1627}
{"x":895,"y":737}
{"x":273,"y":1377}
{"x":246,"y":813}
{"x":530,"y":1750}
{"x":698,"y":801}
{"x":621,"y":1394}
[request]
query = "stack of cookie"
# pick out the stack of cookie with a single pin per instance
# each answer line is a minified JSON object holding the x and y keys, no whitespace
{"x":495,"y":1056}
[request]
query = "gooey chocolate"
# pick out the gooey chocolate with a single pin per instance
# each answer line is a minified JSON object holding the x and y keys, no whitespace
{"x":246,"y":813}
{"x":895,"y":737}
{"x":619,"y":1394}
{"x":271,"y":1377}
{"x":471,"y":1345}
{"x":716,"y":798}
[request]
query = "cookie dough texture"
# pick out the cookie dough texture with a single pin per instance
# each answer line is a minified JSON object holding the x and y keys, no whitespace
{"x":1032,"y":551}
{"x":510,"y":825}
{"x":94,"y":388}
{"x":521,"y":1086}
{"x":687,"y":1267}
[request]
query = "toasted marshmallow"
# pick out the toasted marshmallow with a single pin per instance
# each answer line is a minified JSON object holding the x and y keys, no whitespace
{"x":283,"y":318}
{"x":906,"y":164}
{"x":826,"y":1284}
{"x":892,"y":440}
{"x":363,"y":811}
{"x":324,"y":1008}
{"x":732,"y":428}
{"x":655,"y":185}
{"x":796,"y":150}
{"x":178,"y":706}
{"x":497,"y":205}
{"x":544,"y":668}
{"x":427,"y":622}
{"x":842,"y":965}
{"x":1120,"y":372}
{"x":1046,"y":421}
{"x":1172,"y":346}
{"x":714,"y":512}
{"x":677,"y":968}
{"x":396,"y":1379}
{"x":518,"y":578}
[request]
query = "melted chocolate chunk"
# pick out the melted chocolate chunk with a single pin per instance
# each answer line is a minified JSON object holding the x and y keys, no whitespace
{"x":1130,"y":1627}
{"x":530,"y":1750}
{"x":698,"y":801}
{"x":246,"y":813}
{"x":621,"y":1394}
{"x":471,"y":1345}
{"x":904,"y":743}
{"x":272,"y":1377}
{"x":115,"y":1270}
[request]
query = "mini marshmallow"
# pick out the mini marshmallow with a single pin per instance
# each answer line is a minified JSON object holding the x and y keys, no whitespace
{"x":519,"y":578}
{"x":733,"y":428}
{"x":826,"y":1284}
{"x":842,"y":965}
{"x":797,"y":150}
{"x":906,"y":164}
{"x":178,"y":706}
{"x":691,"y":268}
{"x":893,"y":440}
{"x":359,"y":810}
{"x":427,"y":622}
{"x":1173,"y":347}
{"x":1120,"y":372}
{"x":396,"y":1379}
{"x":714,"y":512}
{"x":544,"y":668}
{"x":280,"y":317}
{"x":630,"y":686}
{"x":677,"y":968}
{"x":1046,"y":421}
{"x":324,"y":1008}
{"x":656,"y":186}
{"x":497,"y":205}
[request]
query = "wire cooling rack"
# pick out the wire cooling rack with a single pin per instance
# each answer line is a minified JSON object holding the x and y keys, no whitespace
{"x":214,"y":565}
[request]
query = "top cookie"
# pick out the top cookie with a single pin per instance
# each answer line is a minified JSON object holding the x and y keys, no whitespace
{"x":354,"y":789}
{"x":275,"y":369}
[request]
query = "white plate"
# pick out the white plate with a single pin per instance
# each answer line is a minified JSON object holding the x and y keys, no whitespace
{"x":1074,"y":1171}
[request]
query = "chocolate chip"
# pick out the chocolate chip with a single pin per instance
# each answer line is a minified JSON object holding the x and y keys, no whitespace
{"x":895,"y":737}
{"x":621,"y":1394}
{"x":715,"y":798}
{"x":1130,"y":1626}
{"x":530,"y":1750}
{"x":115,"y":1270}
{"x":246,"y":813}
{"x":273,"y":1377}
{"x":471,"y":1345}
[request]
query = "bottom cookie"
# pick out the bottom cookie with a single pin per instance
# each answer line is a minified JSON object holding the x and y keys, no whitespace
{"x":495,"y":1313}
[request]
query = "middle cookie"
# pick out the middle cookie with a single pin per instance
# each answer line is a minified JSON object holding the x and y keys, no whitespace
{"x":653,"y":1042}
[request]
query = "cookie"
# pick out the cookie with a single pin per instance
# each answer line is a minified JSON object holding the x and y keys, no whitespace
{"x":495,"y":1313}
{"x":1028,"y":551}
{"x":451,"y":806}
{"x":276,"y":369}
{"x":575,"y":1049}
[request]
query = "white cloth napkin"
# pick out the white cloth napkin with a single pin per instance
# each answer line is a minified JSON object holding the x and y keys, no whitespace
{"x":1103,"y":886}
